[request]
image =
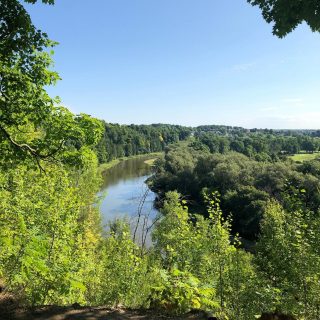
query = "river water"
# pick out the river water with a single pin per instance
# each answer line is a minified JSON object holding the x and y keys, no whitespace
{"x":124,"y":193}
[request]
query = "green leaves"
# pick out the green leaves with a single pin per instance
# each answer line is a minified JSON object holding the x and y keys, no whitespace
{"x":49,"y":228}
{"x":286,"y":15}
{"x":33,"y":127}
{"x":288,"y":254}
{"x":180,"y":291}
{"x":49,"y":233}
{"x":202,"y":265}
{"x":125,"y":274}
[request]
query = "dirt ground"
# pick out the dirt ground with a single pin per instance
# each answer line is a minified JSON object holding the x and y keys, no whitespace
{"x":88,"y":313}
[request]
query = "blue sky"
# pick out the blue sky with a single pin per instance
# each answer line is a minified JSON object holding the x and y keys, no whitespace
{"x":186,"y":62}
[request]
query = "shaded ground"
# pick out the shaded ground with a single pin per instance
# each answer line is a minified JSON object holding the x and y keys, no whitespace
{"x":10,"y":310}
{"x":87,"y":313}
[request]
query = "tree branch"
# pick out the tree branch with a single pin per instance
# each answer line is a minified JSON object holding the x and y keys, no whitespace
{"x":27,"y":148}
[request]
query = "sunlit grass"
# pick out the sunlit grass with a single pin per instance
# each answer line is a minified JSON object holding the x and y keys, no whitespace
{"x":150,"y":162}
{"x":112,"y":163}
{"x":305,"y":156}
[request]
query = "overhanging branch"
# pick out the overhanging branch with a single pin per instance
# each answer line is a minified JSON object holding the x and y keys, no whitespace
{"x":32,"y":151}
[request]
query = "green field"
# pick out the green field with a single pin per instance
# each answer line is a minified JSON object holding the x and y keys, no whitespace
{"x":305,"y":156}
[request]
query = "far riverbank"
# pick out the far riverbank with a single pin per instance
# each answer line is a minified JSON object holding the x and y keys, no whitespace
{"x":149,"y":156}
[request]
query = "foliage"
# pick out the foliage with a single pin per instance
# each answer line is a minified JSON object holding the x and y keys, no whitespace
{"x":33,"y":125}
{"x":48,"y":234}
{"x":247,"y":204}
{"x":49,"y":228}
{"x":126,"y":276}
{"x":53,"y":251}
{"x":128,"y":140}
{"x":245,"y":185}
{"x":180,"y":291}
{"x":197,"y":255}
{"x":288,"y":252}
{"x":261,"y":146}
{"x":286,"y":15}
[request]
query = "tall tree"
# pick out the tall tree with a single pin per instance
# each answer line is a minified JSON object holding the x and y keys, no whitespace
{"x":49,"y":229}
{"x":32,"y":124}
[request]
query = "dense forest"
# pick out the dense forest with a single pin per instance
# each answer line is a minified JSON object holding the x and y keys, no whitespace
{"x":218,"y":184}
{"x":128,"y":140}
{"x":245,"y":184}
{"x":262,"y":144}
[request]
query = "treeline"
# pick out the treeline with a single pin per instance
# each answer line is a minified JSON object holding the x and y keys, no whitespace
{"x":263,"y":145}
{"x":245,"y":185}
{"x":128,"y":140}
{"x":234,"y":130}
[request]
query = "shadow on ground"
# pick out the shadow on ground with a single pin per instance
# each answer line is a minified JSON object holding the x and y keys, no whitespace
{"x":11,"y":312}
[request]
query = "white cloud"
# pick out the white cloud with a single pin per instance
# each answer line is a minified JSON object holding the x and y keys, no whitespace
{"x":243,"y":66}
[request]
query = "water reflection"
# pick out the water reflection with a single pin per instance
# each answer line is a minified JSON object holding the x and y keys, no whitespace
{"x":126,"y":170}
{"x":122,"y":192}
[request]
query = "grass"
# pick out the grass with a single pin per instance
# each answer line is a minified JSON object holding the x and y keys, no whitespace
{"x":150,"y":162}
{"x":108,"y":165}
{"x":301,"y":157}
{"x":112,"y":163}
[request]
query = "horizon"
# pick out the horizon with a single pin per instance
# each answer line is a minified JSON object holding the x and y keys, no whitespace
{"x":211,"y":124}
{"x":197,"y":63}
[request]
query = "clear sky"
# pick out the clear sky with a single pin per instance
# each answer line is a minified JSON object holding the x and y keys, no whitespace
{"x":186,"y":62}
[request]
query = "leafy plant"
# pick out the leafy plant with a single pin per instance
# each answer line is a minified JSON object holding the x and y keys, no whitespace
{"x":179,"y":292}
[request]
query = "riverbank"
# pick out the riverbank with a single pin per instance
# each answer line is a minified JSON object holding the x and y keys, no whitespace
{"x":108,"y":165}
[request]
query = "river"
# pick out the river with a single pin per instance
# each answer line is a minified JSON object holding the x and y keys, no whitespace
{"x":123,"y":191}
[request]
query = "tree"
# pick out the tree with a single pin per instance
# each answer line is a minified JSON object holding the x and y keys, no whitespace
{"x":201,"y":267}
{"x":288,"y":254}
{"x":49,"y":228}
{"x":286,"y":15}
{"x":32,"y":124}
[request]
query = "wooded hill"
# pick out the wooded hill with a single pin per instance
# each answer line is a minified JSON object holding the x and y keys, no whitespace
{"x":260,"y":144}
